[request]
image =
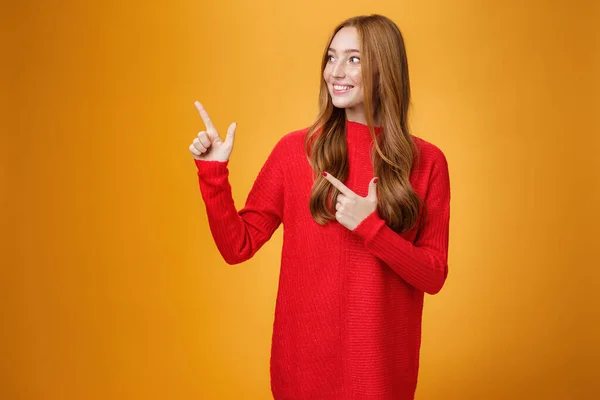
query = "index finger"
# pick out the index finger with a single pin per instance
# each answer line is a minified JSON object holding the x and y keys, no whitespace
{"x":209,"y":125}
{"x":339,"y":185}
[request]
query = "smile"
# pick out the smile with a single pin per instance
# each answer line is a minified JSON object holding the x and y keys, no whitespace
{"x":342,"y":88}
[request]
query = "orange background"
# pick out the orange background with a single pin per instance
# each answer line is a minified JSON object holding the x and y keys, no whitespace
{"x":111,"y":285}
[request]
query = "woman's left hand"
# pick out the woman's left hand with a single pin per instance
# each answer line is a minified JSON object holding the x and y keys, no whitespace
{"x":352,"y":209}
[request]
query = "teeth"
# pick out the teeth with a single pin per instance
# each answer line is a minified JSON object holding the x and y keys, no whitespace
{"x":337,"y":87}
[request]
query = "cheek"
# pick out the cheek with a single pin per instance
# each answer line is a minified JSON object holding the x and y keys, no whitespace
{"x":356,"y":78}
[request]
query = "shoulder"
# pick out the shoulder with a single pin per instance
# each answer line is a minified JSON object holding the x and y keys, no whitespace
{"x":429,"y":155}
{"x":430,"y":168}
{"x":291,"y":143}
{"x":288,"y":149}
{"x":294,"y":137}
{"x":429,"y":150}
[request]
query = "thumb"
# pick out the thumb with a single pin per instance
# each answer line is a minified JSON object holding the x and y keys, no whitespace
{"x":230,"y":134}
{"x":373,"y":189}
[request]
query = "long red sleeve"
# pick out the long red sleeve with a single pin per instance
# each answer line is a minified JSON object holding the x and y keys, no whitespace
{"x":239,"y":235}
{"x":424,"y":263}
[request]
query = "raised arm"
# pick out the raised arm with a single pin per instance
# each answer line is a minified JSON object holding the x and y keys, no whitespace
{"x":238,"y":235}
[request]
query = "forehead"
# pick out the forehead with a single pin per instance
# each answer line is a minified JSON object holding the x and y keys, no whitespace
{"x":346,"y":38}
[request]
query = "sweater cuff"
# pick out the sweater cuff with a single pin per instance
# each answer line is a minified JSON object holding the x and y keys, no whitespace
{"x":207,"y":169}
{"x":370,"y":226}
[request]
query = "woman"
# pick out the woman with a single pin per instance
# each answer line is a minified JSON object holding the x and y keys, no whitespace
{"x":365,"y":208}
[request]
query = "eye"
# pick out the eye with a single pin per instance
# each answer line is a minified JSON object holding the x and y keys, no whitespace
{"x":330,"y":58}
{"x":354,"y":59}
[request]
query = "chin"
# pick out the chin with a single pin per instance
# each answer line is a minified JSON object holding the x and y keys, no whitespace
{"x":337,"y":104}
{"x":341,"y":104}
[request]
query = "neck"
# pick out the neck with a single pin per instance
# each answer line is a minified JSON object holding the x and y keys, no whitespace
{"x":357,"y":114}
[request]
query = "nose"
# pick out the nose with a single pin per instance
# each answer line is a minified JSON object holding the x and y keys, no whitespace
{"x":338,"y":71}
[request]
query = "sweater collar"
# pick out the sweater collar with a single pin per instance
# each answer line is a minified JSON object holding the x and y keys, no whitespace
{"x":360,"y":131}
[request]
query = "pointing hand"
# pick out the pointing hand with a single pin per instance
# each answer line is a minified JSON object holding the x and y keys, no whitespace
{"x":208,"y":145}
{"x":352,"y":209}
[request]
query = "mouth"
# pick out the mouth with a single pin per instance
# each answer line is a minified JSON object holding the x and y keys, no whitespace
{"x":341,"y":89}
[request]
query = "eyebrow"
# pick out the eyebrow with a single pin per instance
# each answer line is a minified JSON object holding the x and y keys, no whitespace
{"x":345,"y":51}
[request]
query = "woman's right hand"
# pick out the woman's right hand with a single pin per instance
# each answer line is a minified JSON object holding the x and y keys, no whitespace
{"x":209,"y":146}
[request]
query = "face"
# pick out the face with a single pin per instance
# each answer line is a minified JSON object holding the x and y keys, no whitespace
{"x":343,"y":73}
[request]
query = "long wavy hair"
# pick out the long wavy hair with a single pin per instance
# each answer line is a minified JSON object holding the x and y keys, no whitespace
{"x":384,"y":69}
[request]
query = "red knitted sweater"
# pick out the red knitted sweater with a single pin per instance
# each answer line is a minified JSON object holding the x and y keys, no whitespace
{"x":347,"y":321}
